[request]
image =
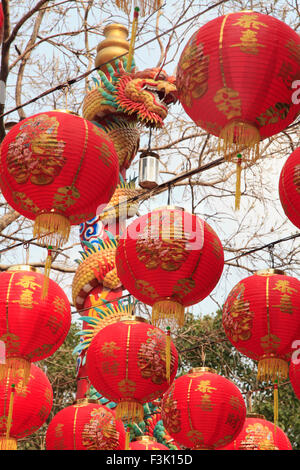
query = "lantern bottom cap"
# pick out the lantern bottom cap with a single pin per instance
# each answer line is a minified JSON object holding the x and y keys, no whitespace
{"x":52,"y":229}
{"x":238,"y":137}
{"x":8,"y":443}
{"x":272,"y":368}
{"x":167,"y":310}
{"x":130,"y":411}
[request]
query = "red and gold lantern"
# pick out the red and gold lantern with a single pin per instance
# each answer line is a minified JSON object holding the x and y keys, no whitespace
{"x":31,"y":328}
{"x":169,"y":259}
{"x":86,"y":425}
{"x":127,"y":364}
{"x":55,"y":169}
{"x":261,"y":318}
{"x":24,"y":407}
{"x":259,"y":434}
{"x":230,"y":85}
{"x":289,"y":188}
{"x":146,"y":443}
{"x":203,"y":410}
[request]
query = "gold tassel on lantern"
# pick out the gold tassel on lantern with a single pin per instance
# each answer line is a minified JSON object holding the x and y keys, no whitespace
{"x":52,"y":229}
{"x":130,"y":411}
{"x":168,"y":354}
{"x":275,"y":405}
{"x":7,"y":442}
{"x":47,"y":273}
{"x":272,"y":368}
{"x":133,"y":37}
{"x":146,"y":6}
{"x":127,"y":437}
{"x":237,"y":137}
{"x":15,"y":367}
{"x":238,"y":181}
{"x":167,"y":310}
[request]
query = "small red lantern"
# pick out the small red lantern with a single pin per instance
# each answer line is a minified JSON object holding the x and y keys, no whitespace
{"x":289,"y":188}
{"x":294,"y":375}
{"x":24,"y":407}
{"x":85,"y":426}
{"x":259,"y":434}
{"x":169,"y":259}
{"x":30,"y":327}
{"x":146,"y":443}
{"x":261,"y":318}
{"x":230,"y":85}
{"x":126,"y":363}
{"x":57,"y":169}
{"x":203,"y":410}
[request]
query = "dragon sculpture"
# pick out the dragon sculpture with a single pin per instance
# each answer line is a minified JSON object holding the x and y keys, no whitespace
{"x":120,"y":101}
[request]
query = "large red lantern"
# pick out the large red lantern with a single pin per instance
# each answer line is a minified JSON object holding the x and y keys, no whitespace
{"x":169,"y":259}
{"x":31,"y":328}
{"x":203,"y":410}
{"x":127,"y":364}
{"x":294,"y":375}
{"x":55,"y":168}
{"x":289,"y":188}
{"x":259,"y":434}
{"x":229,"y":83}
{"x":235,"y":80}
{"x":146,"y":443}
{"x":85,"y":426}
{"x":261,"y":318}
{"x":24,"y":407}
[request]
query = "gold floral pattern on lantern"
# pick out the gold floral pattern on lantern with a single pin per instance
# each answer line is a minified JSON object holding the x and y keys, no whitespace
{"x":152,"y":357}
{"x":238,"y":318}
{"x":39,"y":136}
{"x":100,"y":433}
{"x":171,"y":415}
{"x":195,"y":83}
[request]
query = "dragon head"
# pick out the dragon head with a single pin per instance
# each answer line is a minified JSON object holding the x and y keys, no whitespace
{"x":137,"y":96}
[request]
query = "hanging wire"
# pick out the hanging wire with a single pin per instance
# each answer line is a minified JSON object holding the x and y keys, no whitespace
{"x":271,"y":252}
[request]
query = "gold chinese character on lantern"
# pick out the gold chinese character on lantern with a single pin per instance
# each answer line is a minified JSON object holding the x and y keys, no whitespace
{"x":249,"y":21}
{"x":228,"y":102}
{"x":205,"y":387}
{"x":249,"y":43}
{"x":28,"y":282}
{"x":26,"y":299}
{"x":283,"y":286}
{"x":108,"y":349}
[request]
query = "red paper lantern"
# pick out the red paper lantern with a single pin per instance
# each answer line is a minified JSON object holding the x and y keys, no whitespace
{"x":25,"y":407}
{"x":146,"y":443}
{"x":289,"y":187}
{"x":261,"y":318}
{"x":31,"y":328}
{"x":203,"y":410}
{"x":56,"y":169}
{"x":294,"y":375}
{"x":126,"y":363}
{"x":169,"y":259}
{"x":85,"y":426}
{"x":259,"y":434}
{"x":235,"y":78}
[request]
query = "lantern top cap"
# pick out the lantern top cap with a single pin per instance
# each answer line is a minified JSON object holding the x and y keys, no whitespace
{"x":133,"y":318}
{"x":255,"y":415}
{"x":84,"y":401}
{"x":177,"y":208}
{"x":23,"y":267}
{"x":267,"y":272}
{"x":146,"y":438}
{"x":202,"y":369}
{"x":65,"y":110}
